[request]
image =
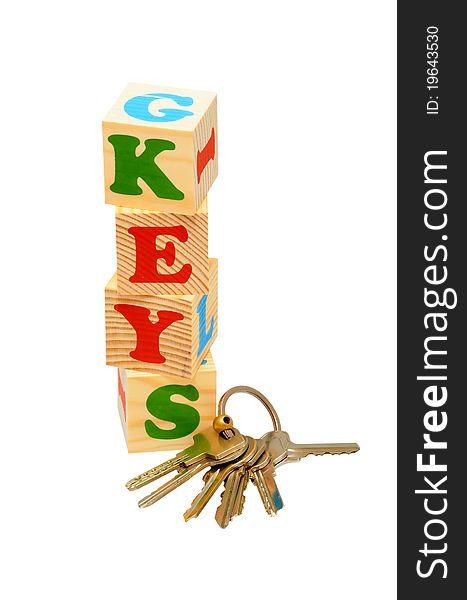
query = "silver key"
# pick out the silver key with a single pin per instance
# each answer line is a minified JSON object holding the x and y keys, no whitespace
{"x":283,"y":450}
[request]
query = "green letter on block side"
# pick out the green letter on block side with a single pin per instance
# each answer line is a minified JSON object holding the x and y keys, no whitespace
{"x":160,"y":404}
{"x":128,"y":167}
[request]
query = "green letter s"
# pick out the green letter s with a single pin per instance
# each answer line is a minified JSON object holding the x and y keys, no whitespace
{"x":185,"y":418}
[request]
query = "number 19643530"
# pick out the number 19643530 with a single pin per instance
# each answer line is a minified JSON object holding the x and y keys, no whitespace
{"x":432,"y":105}
{"x":432,"y":58}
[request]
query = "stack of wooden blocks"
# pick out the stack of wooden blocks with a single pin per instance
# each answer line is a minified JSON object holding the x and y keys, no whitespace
{"x":160,"y":159}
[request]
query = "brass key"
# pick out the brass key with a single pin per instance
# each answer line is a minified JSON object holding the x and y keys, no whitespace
{"x":225,"y":510}
{"x":186,"y":474}
{"x":207,"y":446}
{"x":240,"y":498}
{"x":255,"y":449}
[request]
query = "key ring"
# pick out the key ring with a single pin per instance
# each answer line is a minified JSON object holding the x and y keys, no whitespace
{"x":246,"y":389}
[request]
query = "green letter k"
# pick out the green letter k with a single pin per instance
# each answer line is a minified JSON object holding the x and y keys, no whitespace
{"x":128,"y":167}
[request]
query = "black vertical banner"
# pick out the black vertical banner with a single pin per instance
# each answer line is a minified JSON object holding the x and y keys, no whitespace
{"x":432,"y":303}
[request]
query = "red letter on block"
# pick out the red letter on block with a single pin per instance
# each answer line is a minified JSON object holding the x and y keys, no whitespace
{"x":121,"y":394}
{"x":147,"y":255}
{"x":207,"y":153}
{"x":147,"y":332}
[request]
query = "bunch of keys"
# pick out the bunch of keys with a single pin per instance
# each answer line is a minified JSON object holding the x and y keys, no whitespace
{"x":234,"y":460}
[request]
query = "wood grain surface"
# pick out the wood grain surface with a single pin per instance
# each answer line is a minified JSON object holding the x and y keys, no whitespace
{"x":179,"y":343}
{"x":193,"y":252}
{"x":138,"y":386}
{"x":190,"y":136}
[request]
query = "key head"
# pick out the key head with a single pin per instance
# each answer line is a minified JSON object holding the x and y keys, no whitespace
{"x":283,"y":450}
{"x":277,"y":444}
{"x":210,"y":444}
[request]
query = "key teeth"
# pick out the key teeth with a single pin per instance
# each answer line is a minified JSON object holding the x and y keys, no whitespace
{"x":339,"y":453}
{"x":221,"y":518}
{"x":242,"y":504}
{"x":334,"y":453}
{"x":264,"y":497}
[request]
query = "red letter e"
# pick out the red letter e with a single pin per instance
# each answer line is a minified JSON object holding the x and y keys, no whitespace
{"x":147,"y":255}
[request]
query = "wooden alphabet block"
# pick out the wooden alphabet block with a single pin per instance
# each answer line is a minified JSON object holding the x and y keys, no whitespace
{"x":162,"y":253}
{"x":160,"y":148}
{"x":163,"y":334}
{"x":163,"y":412}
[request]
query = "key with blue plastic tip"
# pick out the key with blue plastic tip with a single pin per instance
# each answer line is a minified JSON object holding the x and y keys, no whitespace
{"x":262,"y":475}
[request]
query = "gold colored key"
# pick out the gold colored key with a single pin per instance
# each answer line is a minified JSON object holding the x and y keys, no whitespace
{"x":225,"y":510}
{"x":207,"y":446}
{"x":240,"y":498}
{"x":214,"y":481}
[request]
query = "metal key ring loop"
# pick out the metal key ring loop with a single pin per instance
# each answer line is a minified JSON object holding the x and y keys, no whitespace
{"x":258,"y":395}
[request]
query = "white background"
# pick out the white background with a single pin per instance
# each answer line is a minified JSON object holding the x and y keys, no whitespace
{"x":302,"y":219}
